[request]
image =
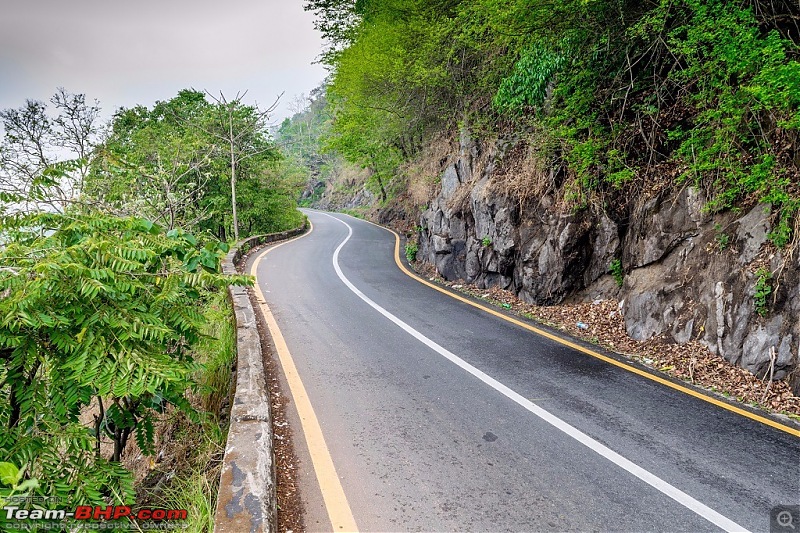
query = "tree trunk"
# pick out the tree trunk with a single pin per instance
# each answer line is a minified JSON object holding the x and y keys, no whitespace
{"x":14,"y":400}
{"x":233,"y":180}
{"x":120,"y":441}
{"x":379,"y":180}
{"x":383,"y":189}
{"x":98,"y":425}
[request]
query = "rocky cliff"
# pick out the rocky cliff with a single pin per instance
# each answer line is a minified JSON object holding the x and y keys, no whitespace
{"x":685,"y":274}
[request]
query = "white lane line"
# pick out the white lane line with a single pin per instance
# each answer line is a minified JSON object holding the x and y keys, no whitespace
{"x":651,"y":479}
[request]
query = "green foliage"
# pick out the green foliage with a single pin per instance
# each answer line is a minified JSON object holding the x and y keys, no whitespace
{"x":367,"y":151}
{"x":216,"y":352}
{"x":526,"y":87}
{"x":97,"y":313}
{"x":708,"y":87}
{"x":104,"y":319}
{"x":13,"y":482}
{"x":721,"y":238}
{"x":584,"y":158}
{"x":172,"y":164}
{"x":194,"y":492}
{"x":408,"y":68}
{"x":746,"y":89}
{"x":619,"y":173}
{"x":617,"y":272}
{"x":763,"y":289}
{"x":411,"y":251}
{"x":194,"y":486}
{"x":394,"y":83}
{"x":486,"y":241}
{"x":157,"y":163}
{"x":302,"y":136}
{"x":782,"y":234}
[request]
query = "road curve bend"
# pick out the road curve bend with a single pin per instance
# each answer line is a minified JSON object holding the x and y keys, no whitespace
{"x":416,"y":411}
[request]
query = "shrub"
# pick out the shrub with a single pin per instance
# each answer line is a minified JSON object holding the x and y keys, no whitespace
{"x":97,"y":312}
{"x":411,"y":252}
{"x":763,"y":289}
{"x":616,"y":270}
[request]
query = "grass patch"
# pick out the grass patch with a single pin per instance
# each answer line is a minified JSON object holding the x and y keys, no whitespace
{"x":411,"y":251}
{"x":355,"y":212}
{"x":191,"y":472}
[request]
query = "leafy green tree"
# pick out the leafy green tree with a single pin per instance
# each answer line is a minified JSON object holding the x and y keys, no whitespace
{"x":242,"y":130}
{"x":155,"y":163}
{"x":372,"y":152}
{"x":194,"y":164}
{"x":302,"y":136}
{"x":96,"y":313}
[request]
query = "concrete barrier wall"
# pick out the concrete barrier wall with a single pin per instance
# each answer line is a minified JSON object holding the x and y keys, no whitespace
{"x":247,"y":500}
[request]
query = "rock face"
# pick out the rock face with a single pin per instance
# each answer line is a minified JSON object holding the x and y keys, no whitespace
{"x":339,"y":201}
{"x":687,"y":275}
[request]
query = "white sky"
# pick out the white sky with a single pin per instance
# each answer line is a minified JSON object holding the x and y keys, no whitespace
{"x":124,"y":53}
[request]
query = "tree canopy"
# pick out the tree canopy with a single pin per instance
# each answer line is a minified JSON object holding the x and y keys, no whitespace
{"x":176,"y":164}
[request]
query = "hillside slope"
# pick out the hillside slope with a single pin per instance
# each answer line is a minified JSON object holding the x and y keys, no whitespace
{"x":572,"y":150}
{"x":685,"y":274}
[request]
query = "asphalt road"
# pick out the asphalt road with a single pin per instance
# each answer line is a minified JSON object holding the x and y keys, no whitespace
{"x":441,"y":417}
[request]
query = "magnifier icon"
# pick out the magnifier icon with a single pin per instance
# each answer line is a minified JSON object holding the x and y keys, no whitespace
{"x":785,"y":519}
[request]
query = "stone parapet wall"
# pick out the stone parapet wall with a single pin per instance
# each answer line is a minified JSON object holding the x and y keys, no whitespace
{"x":247,"y":501}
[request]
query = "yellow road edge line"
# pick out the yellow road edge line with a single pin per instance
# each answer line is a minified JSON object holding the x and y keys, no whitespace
{"x":336,"y":504}
{"x":587,"y":351}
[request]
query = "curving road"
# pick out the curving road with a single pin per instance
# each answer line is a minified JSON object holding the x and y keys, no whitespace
{"x":439,"y":416}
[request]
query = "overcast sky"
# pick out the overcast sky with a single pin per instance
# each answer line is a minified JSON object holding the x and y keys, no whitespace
{"x":125,"y":53}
